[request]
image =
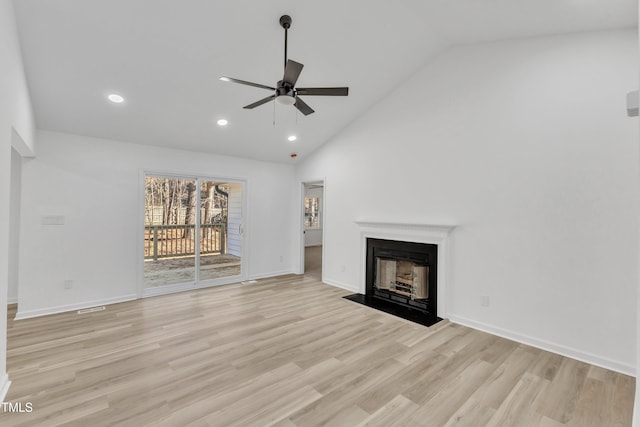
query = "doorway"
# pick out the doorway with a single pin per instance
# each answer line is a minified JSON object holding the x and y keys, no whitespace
{"x":193,"y":232}
{"x":313,"y":226}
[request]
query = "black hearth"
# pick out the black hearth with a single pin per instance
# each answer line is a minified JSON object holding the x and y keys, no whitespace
{"x":401,"y":279}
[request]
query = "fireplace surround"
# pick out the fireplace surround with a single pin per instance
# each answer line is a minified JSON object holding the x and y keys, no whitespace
{"x":404,"y":269}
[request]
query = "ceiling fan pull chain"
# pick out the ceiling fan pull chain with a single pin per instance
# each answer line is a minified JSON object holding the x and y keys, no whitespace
{"x":274,"y":113}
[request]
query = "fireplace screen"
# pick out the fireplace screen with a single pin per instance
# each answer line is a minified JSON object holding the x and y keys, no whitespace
{"x":406,"y":278}
{"x":402,"y":277}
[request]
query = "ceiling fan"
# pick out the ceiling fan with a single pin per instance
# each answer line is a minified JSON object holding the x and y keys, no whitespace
{"x":285,"y":91}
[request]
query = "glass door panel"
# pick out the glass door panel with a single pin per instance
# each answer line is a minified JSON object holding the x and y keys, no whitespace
{"x":220,"y":230}
{"x":169,"y":231}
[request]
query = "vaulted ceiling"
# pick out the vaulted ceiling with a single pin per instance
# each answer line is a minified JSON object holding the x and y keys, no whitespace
{"x":165,"y":58}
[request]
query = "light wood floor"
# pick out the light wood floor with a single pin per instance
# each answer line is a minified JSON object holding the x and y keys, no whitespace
{"x":313,"y":262}
{"x":289,"y":351}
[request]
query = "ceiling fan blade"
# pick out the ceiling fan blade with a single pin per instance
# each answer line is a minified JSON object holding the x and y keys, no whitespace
{"x":262,"y":101}
{"x":324,"y":91}
{"x":303,"y":107}
{"x":242,"y":82}
{"x":292,"y":72}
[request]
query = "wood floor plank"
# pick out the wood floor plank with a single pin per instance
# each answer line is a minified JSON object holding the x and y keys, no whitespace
{"x":396,"y":411}
{"x":488,"y":396}
{"x":455,"y":392}
{"x":289,"y":351}
{"x":623,"y":398}
{"x":560,"y":403}
{"x":429,"y":382}
{"x":378,"y":397}
{"x":519,"y":408}
{"x":345,"y":394}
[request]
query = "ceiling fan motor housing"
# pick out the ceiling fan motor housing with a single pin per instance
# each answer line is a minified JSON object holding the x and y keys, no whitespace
{"x":285,"y":88}
{"x":285,"y":21}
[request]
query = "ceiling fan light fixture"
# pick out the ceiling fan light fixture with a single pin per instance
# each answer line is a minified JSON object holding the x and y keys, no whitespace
{"x":285,"y":99}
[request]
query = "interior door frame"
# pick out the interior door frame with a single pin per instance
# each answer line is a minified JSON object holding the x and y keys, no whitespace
{"x":301,"y":229}
{"x":196,"y":284}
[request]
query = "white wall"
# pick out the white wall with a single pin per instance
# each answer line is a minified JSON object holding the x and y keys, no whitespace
{"x":313,"y":236}
{"x":14,"y":226}
{"x":526,"y":146}
{"x":16,"y":117}
{"x":96,"y":185}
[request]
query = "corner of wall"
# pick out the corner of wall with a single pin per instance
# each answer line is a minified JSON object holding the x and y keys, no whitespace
{"x":21,"y":145}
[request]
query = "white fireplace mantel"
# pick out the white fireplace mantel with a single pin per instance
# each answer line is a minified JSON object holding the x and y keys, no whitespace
{"x":437,"y":234}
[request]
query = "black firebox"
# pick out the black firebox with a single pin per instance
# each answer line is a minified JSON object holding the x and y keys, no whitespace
{"x":402,"y":279}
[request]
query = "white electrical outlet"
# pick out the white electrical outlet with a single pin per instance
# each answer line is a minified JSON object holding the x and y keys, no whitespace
{"x":68,"y":284}
{"x":281,"y":258}
{"x":484,"y":300}
{"x":343,"y":268}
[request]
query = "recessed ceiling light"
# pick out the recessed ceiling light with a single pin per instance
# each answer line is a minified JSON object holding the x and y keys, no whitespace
{"x":292,"y":138}
{"x":115,"y":98}
{"x":222,"y":122}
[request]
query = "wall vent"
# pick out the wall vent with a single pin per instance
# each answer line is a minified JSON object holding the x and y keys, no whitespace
{"x":91,"y":310}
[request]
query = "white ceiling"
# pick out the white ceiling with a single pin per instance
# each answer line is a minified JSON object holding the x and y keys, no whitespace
{"x":165,"y":58}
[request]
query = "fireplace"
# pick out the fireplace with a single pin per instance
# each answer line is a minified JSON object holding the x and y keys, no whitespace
{"x":401,"y":279}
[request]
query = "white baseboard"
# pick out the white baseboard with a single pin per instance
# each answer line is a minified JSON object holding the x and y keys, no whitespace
{"x":72,"y":307}
{"x":4,"y":386}
{"x":272,"y":274}
{"x":13,"y":300}
{"x":167,"y":289}
{"x":340,"y":285}
{"x":172,"y":289}
{"x":560,"y":349}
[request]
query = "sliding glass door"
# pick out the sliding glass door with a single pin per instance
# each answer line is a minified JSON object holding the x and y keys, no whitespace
{"x":220,"y":226}
{"x":193,"y":232}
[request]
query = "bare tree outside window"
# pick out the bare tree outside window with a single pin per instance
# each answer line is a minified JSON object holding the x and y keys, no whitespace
{"x":170,"y":216}
{"x":192,"y":230}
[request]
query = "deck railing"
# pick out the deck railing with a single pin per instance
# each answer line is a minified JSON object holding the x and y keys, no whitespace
{"x":164,"y":241}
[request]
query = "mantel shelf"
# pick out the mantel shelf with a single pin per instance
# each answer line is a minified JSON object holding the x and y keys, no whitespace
{"x":405,"y":225}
